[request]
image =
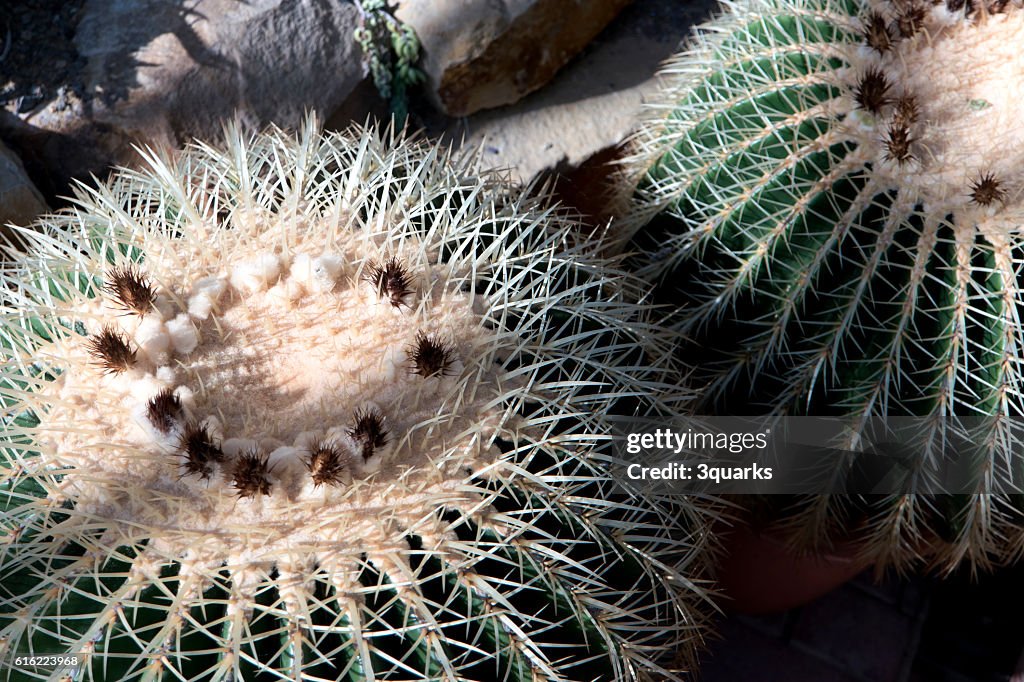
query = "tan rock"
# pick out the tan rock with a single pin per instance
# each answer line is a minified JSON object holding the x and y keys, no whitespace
{"x":590,"y":106}
{"x":480,"y":54}
{"x":20,"y":201}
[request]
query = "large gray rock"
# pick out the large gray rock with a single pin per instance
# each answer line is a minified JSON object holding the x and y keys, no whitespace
{"x":20,"y":201}
{"x":161,"y":72}
{"x":480,"y":54}
{"x":187,"y":66}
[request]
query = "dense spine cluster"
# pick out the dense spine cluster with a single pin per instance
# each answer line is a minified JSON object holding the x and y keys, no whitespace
{"x":391,"y":280}
{"x":112,"y":351}
{"x":831,"y":193}
{"x":332,"y":407}
{"x":198,"y":450}
{"x":130,"y":288}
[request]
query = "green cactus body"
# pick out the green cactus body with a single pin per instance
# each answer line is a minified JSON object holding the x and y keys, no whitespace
{"x":330,"y":408}
{"x":831,"y":193}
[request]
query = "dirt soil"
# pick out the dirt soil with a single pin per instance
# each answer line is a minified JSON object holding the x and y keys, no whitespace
{"x":39,"y":62}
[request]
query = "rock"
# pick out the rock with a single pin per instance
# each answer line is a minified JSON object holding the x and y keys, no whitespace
{"x":161,"y":72}
{"x":480,"y":54}
{"x":56,"y":161}
{"x":592,"y":105}
{"x":20,"y":201}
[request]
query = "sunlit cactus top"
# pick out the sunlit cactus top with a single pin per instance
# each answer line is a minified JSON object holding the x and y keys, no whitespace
{"x":831,"y":192}
{"x":330,"y":406}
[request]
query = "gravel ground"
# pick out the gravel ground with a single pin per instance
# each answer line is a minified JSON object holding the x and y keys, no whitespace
{"x":40,"y":62}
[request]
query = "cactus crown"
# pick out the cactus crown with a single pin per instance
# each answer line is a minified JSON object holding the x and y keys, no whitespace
{"x":328,"y":406}
{"x":832,"y":193}
{"x":937,"y":95}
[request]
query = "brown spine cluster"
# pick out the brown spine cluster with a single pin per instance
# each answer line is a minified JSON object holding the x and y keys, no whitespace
{"x":876,"y":33}
{"x":164,"y":411}
{"x":430,"y":356}
{"x":199,"y":450}
{"x":905,"y":112}
{"x":250,"y":474}
{"x":369,"y":432}
{"x":897,"y":143}
{"x":112,"y":351}
{"x":987,"y":190}
{"x":872,"y":91}
{"x":130,"y":288}
{"x":390,"y":280}
{"x":910,"y":20}
{"x":326,"y":464}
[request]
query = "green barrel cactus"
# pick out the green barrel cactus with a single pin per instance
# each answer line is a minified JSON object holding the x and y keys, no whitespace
{"x":331,"y":407}
{"x":831,"y":194}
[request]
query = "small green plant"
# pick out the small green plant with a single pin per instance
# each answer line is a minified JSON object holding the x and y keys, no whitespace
{"x":391,"y":49}
{"x":831,"y":192}
{"x":331,"y":407}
